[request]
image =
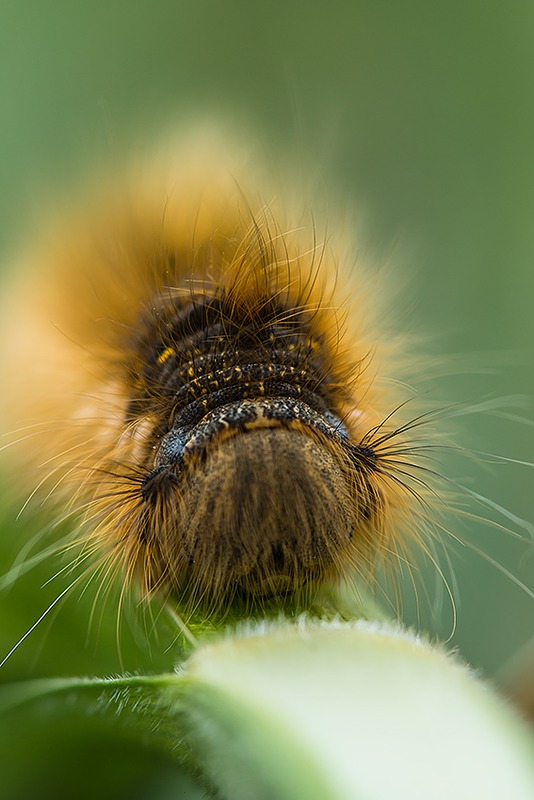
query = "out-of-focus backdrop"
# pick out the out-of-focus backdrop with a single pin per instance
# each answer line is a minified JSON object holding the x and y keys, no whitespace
{"x":422,"y":116}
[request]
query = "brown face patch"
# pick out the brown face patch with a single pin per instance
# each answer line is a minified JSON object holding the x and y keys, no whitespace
{"x":253,"y":488}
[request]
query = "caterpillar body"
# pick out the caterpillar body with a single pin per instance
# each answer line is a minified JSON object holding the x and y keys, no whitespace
{"x":193,"y":368}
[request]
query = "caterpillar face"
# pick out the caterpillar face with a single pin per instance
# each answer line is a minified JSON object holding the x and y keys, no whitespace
{"x":201,"y":387}
{"x":251,"y":484}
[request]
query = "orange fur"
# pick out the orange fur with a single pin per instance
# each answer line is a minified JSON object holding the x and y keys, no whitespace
{"x":267,"y":509}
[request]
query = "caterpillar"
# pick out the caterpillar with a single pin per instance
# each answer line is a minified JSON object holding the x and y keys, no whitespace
{"x":201,"y":374}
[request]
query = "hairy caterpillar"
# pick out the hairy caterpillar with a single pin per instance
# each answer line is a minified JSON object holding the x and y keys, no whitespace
{"x":197,"y":370}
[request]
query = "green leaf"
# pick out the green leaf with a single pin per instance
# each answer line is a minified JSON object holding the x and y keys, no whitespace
{"x":326,"y":711}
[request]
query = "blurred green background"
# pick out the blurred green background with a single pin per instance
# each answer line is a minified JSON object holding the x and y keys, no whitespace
{"x":422,"y":115}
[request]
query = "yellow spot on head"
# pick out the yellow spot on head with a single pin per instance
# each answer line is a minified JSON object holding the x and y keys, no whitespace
{"x":165,"y":355}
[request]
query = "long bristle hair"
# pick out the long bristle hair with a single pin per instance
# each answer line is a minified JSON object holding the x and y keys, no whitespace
{"x":201,"y":377}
